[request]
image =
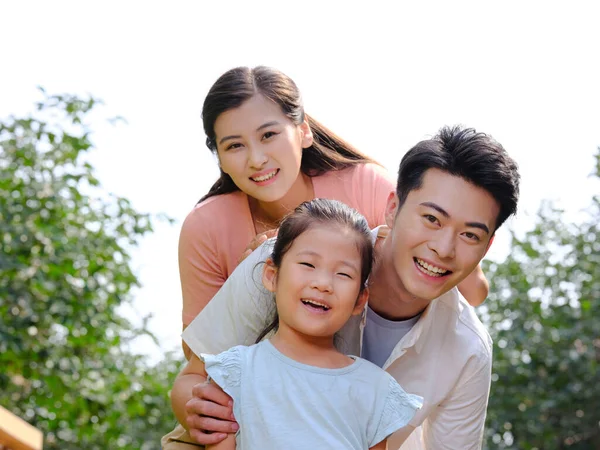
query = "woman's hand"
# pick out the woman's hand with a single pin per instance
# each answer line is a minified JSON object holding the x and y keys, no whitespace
{"x":256,"y":242}
{"x":210,"y":414}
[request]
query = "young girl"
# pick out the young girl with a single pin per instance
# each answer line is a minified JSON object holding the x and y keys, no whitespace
{"x":272,"y":157}
{"x":295,"y":390}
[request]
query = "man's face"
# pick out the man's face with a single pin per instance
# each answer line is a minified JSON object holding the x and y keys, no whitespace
{"x":440,"y":233}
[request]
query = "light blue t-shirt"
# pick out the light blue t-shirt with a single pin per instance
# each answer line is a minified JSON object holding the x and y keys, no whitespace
{"x":281,"y":403}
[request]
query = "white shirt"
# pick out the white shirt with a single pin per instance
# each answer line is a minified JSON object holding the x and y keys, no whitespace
{"x":446,"y":357}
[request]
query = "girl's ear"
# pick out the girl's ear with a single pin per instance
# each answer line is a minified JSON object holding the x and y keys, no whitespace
{"x":306,"y":133}
{"x":269,"y":276}
{"x":360,"y":302}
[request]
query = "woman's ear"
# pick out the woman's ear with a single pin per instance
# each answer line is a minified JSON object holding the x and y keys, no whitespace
{"x":269,"y":276}
{"x":360,"y":302}
{"x":306,"y":133}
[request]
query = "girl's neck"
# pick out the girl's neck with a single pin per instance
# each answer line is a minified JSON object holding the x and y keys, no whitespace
{"x":267,"y":215}
{"x":309,"y":350}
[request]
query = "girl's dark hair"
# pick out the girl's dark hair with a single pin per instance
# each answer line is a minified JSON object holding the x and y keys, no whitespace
{"x":328,"y":151}
{"x":325,"y":212}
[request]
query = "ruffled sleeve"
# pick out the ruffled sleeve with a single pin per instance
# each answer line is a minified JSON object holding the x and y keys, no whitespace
{"x":226,"y":370}
{"x":399,"y":408}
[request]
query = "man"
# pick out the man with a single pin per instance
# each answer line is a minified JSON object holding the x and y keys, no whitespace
{"x":454,"y":191}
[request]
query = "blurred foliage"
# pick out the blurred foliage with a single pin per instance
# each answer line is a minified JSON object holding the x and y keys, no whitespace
{"x":64,"y":272}
{"x":544,"y":316}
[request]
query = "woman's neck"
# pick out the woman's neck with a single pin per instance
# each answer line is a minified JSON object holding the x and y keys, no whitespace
{"x":309,"y":350}
{"x":267,"y":215}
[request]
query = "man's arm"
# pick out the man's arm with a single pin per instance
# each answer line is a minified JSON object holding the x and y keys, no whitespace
{"x":238,"y":312}
{"x":458,"y":422}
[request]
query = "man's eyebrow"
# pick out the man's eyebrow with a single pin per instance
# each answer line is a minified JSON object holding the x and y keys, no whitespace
{"x":438,"y":208}
{"x":237,"y":136}
{"x":443,"y":212}
{"x":479,"y":225}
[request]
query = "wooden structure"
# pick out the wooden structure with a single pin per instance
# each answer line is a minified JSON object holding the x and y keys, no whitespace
{"x":16,"y":434}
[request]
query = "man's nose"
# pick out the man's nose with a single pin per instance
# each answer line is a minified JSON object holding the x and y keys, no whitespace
{"x":444,"y":244}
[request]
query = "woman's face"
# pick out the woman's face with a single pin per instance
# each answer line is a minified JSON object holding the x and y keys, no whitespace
{"x":260,"y":148}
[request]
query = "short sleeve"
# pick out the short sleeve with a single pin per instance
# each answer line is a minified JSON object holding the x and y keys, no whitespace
{"x":398,"y":409}
{"x":226,"y":369}
{"x":200,"y":272}
{"x":371,"y":187}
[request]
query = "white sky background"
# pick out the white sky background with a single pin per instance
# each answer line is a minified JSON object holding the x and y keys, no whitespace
{"x":382,"y":75}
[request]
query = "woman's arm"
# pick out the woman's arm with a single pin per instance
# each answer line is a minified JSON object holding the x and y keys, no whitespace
{"x":227,"y":444}
{"x":475,"y":288}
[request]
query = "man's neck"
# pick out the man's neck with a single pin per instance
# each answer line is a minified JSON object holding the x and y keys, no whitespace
{"x":387,"y":295}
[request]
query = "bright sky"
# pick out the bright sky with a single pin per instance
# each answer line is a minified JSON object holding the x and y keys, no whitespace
{"x":382,"y":76}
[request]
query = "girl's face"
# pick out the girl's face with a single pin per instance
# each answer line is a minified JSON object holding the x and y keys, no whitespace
{"x":317,"y":287}
{"x":260,"y":148}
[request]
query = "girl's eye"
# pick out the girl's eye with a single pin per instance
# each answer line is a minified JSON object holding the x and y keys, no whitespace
{"x":307,"y":265}
{"x":345,"y":275}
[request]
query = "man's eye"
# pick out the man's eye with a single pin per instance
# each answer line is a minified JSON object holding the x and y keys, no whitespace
{"x":472,"y":236}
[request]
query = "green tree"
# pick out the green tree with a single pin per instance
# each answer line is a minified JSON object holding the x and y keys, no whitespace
{"x":543,"y":314}
{"x":64,"y":271}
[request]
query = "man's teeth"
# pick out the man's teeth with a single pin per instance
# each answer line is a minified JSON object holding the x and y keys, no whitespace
{"x":265,"y":177}
{"x":431,"y":270}
{"x":315,"y":303}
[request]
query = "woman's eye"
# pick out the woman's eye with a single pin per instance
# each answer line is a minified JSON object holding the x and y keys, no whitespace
{"x":430,"y":218}
{"x":269,"y":134}
{"x":233,"y":146}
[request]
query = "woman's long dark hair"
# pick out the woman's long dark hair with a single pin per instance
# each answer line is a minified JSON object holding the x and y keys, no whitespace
{"x":327,"y":152}
{"x":325,"y":212}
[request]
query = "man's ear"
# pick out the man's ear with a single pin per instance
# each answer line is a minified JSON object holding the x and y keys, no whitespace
{"x":306,"y":133}
{"x":360,"y":302}
{"x":269,"y":276}
{"x":391,"y":209}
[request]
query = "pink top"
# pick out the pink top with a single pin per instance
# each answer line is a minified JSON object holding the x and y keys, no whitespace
{"x":218,"y":230}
